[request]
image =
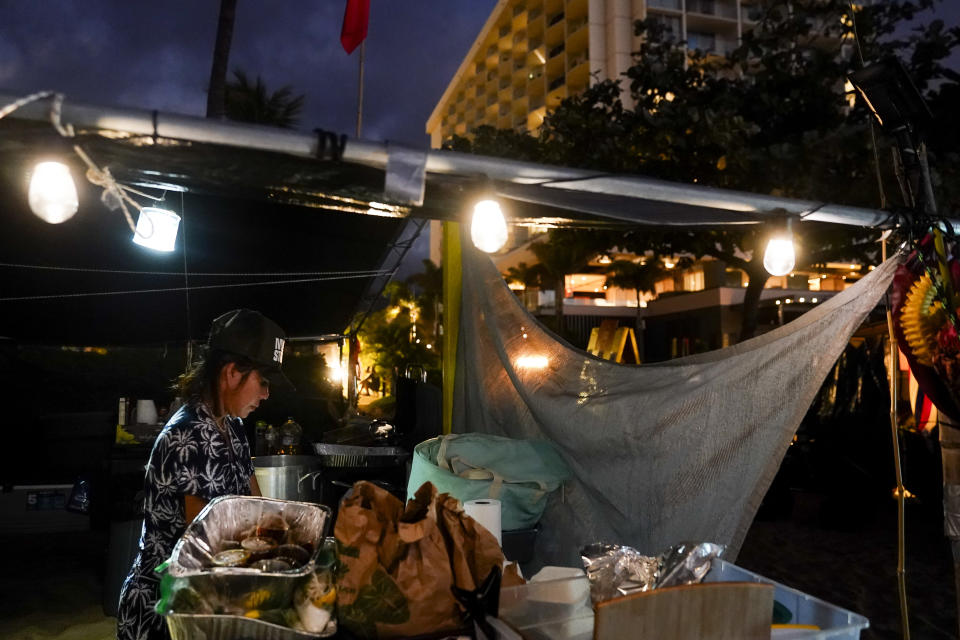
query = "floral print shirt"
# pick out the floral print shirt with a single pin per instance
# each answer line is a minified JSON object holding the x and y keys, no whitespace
{"x":191,"y":456}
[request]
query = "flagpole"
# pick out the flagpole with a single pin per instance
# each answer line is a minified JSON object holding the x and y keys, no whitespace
{"x":363,"y":46}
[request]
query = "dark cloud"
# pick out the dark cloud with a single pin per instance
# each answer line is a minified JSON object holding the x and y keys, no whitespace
{"x":157,"y":55}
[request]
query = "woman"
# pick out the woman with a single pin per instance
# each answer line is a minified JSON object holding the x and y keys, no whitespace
{"x":202,"y":453}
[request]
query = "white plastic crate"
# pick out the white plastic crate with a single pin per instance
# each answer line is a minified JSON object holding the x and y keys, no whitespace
{"x":835,"y":623}
{"x":561,"y":609}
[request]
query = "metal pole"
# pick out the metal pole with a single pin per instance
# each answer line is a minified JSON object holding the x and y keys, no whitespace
{"x":363,"y":47}
{"x":563,"y":182}
{"x":452,"y":289}
{"x":901,"y":492}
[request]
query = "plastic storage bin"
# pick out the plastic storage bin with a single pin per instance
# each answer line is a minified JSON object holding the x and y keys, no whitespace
{"x":835,"y":623}
{"x":561,"y":609}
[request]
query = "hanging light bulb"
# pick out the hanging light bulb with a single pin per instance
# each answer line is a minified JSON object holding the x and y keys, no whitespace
{"x":52,"y":195}
{"x":157,"y":229}
{"x":488,"y":230}
{"x":780,"y":256}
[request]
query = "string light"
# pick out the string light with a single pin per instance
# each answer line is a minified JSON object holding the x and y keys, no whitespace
{"x":780,"y":256}
{"x":488,"y":230}
{"x":52,"y":194}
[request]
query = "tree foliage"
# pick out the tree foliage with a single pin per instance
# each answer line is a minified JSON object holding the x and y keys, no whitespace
{"x":772,"y":117}
{"x":640,"y":275}
{"x":250,"y":101}
{"x":566,"y":252}
{"x":397,"y":335}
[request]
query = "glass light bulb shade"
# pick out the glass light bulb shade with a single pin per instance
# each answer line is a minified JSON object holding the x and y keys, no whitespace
{"x":780,"y":257}
{"x":488,"y":230}
{"x":52,"y":195}
{"x":157,"y":229}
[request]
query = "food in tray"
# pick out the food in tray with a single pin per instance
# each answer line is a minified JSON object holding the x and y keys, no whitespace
{"x":272,"y":565}
{"x":188,"y":600}
{"x":275,"y":528}
{"x":314,"y":603}
{"x":294,"y":554}
{"x":262,"y":554}
{"x":231,"y":558}
{"x":246,"y":558}
{"x":259,"y":547}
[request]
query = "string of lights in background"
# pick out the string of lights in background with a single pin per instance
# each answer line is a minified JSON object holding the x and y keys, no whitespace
{"x":488,"y":231}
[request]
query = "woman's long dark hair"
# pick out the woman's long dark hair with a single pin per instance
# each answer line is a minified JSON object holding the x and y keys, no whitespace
{"x":201,"y":380}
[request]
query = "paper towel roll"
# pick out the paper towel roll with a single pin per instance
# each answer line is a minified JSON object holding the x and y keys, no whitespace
{"x":487,"y":513}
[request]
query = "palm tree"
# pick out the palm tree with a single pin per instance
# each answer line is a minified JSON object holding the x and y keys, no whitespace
{"x":640,"y":276}
{"x":566,"y":251}
{"x":251,"y":102}
{"x":216,"y":101}
{"x":527,"y":275}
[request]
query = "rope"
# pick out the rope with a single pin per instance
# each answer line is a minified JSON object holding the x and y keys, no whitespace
{"x":170,"y":289}
{"x":220,"y":274}
{"x":873,"y":131}
{"x":186,"y":276}
{"x":113,"y":194}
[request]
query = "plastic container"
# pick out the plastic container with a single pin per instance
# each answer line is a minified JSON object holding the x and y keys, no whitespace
{"x":835,"y":623}
{"x":561,"y":609}
{"x":558,"y":609}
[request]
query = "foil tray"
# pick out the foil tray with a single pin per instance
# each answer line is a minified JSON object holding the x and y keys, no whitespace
{"x":226,"y":519}
{"x":211,"y":627}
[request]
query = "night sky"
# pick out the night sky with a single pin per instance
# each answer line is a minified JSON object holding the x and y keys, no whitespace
{"x":157,"y":55}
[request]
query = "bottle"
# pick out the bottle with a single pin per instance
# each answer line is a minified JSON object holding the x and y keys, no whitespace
{"x":259,"y":444}
{"x":290,"y":433}
{"x":270,"y":444}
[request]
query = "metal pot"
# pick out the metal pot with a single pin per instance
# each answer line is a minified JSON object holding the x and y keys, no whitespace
{"x":289,"y":477}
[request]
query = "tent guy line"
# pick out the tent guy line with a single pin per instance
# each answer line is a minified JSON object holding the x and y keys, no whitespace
{"x":219,"y":274}
{"x":56,"y":296}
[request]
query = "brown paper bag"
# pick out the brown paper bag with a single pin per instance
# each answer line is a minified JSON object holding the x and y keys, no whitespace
{"x":398,"y":565}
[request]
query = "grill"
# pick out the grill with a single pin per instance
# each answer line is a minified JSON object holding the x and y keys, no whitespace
{"x":356,"y":457}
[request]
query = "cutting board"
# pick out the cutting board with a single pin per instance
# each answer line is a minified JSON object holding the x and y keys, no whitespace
{"x":709,"y":611}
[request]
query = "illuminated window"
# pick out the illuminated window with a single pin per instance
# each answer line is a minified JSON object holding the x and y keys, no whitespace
{"x":693,"y":281}
{"x":664,"y":286}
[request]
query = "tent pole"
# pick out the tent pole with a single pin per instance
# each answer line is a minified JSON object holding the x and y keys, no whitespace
{"x":452,"y":286}
{"x":898,"y":471}
{"x":950,"y":459}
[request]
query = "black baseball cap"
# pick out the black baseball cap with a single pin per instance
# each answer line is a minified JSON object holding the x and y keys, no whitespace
{"x":252,"y":335}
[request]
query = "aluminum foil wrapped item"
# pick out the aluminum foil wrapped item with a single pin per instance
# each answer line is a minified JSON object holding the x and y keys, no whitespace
{"x":687,"y":563}
{"x":615,"y":570}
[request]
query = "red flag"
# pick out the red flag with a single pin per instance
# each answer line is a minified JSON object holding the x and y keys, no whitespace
{"x":355,"y":20}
